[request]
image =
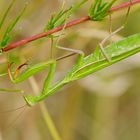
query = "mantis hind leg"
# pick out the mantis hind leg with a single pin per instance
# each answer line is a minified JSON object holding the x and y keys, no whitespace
{"x":73,"y":52}
{"x":101,"y":45}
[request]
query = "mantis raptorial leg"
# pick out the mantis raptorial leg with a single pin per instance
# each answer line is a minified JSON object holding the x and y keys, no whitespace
{"x":38,"y":67}
{"x":101,"y":45}
{"x":15,"y":78}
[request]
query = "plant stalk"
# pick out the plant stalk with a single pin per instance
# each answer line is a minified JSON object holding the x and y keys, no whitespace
{"x":47,"y":118}
{"x":59,"y":28}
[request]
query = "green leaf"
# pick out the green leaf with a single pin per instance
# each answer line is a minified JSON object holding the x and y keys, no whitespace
{"x":99,"y":9}
{"x":6,"y":36}
{"x":61,"y":17}
{"x":6,"y":14}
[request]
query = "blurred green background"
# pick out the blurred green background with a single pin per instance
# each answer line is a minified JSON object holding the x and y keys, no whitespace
{"x":102,"y":106}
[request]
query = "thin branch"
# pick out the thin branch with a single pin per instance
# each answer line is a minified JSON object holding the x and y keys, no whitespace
{"x":68,"y":25}
{"x":124,"y":5}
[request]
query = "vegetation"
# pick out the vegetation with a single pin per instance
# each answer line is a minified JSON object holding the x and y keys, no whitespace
{"x":85,"y":64}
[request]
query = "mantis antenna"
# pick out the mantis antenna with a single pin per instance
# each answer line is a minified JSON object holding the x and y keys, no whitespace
{"x":14,"y":120}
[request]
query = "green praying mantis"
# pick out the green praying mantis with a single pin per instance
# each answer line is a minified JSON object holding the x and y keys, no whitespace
{"x":85,"y":65}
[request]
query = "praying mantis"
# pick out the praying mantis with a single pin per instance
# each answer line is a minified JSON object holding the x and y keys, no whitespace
{"x":85,"y":65}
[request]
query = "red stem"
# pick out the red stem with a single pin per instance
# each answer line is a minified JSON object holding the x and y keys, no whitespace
{"x":124,"y":5}
{"x":59,"y":28}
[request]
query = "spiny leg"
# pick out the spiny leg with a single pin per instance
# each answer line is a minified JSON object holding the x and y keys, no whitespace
{"x":14,"y":75}
{"x":101,"y":45}
{"x":30,"y":100}
{"x":51,"y":72}
{"x":29,"y":71}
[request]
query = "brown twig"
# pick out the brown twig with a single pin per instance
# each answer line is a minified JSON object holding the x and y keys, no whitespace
{"x":59,"y":28}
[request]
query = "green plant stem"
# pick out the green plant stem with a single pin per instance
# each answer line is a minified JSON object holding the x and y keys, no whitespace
{"x":47,"y":118}
{"x":49,"y":122}
{"x":59,"y":28}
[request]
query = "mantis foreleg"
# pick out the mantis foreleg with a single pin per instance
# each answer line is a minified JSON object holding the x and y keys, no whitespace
{"x":37,"y":68}
{"x":47,"y":90}
{"x":29,"y":71}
